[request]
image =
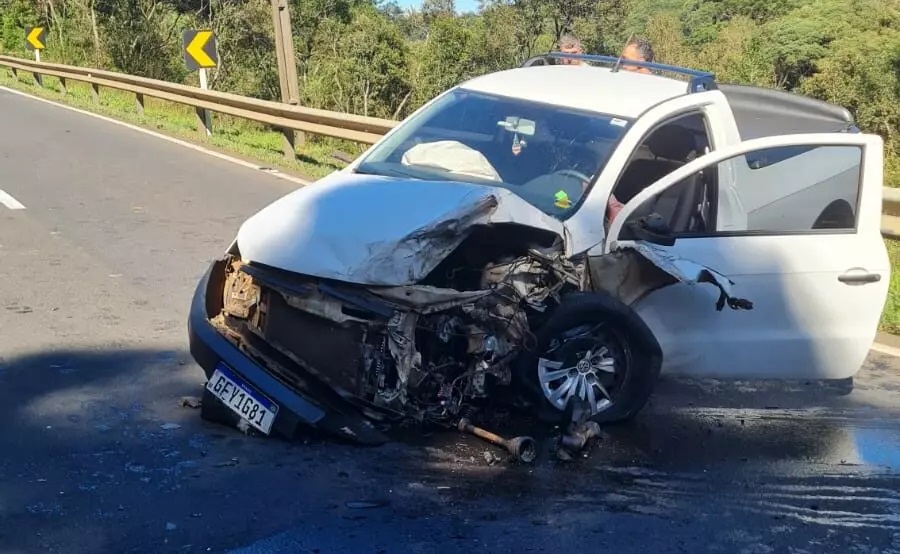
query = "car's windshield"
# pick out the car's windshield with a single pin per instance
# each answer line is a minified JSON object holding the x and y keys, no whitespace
{"x":546,"y":154}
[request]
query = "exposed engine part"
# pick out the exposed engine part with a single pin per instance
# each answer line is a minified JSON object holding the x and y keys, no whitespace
{"x":240,"y":295}
{"x":574,"y":441}
{"x":523,"y":448}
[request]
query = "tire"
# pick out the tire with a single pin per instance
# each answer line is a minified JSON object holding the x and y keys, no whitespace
{"x":634,"y":380}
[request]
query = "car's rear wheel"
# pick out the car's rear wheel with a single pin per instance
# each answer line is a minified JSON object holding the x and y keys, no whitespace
{"x":595,"y":349}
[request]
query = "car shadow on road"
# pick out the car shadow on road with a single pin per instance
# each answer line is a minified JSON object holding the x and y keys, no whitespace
{"x":101,"y":456}
{"x":105,"y":458}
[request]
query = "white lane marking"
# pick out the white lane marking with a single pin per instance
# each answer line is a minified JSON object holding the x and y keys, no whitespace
{"x":7,"y":200}
{"x":885,"y":349}
{"x":186,"y":144}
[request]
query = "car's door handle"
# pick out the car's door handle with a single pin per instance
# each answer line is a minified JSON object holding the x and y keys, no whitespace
{"x":859,"y":278}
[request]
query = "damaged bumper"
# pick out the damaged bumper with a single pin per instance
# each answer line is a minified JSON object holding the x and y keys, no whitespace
{"x":310,"y":405}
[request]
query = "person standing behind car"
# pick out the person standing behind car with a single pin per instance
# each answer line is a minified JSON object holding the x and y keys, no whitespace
{"x":636,"y":49}
{"x":570,"y":44}
{"x":640,"y":50}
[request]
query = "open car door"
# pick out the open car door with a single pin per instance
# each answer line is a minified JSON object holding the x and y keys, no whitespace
{"x":794,"y":222}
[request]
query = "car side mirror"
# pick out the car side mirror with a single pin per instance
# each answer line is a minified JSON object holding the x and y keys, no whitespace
{"x":652,"y":228}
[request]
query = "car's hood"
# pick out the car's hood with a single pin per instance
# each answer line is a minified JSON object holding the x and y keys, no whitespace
{"x":375,"y":230}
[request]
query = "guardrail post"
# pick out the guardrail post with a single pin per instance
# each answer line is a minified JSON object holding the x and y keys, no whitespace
{"x":139,"y":103}
{"x":15,"y":74}
{"x":287,"y":71}
{"x":62,"y":85}
{"x":95,"y":92}
{"x":203,"y":122}
{"x":289,"y":143}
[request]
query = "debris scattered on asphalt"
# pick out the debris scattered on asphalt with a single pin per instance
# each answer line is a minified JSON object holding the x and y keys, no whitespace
{"x":491,"y":458}
{"x":522,"y":448}
{"x":563,"y":455}
{"x":579,"y":433}
{"x":170,"y":426}
{"x":577,"y":439}
{"x":244,"y":427}
{"x":193,"y":402}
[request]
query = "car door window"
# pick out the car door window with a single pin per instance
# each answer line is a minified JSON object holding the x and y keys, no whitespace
{"x":664,"y":149}
{"x":770,"y":191}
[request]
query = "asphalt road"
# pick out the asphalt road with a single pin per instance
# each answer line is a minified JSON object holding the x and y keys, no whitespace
{"x":97,"y":455}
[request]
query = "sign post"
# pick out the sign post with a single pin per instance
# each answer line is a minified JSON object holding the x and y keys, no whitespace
{"x":199,"y":55}
{"x":35,"y":40}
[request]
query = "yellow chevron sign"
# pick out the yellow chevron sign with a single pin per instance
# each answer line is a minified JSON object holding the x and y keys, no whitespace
{"x":200,"y":49}
{"x":35,"y":37}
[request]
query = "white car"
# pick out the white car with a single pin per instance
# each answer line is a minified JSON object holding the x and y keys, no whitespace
{"x":466,"y":260}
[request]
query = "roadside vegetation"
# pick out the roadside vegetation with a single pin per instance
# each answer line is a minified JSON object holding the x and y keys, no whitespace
{"x":371,"y":57}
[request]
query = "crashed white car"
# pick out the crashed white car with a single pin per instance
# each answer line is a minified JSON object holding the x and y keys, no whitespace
{"x":478,"y":256}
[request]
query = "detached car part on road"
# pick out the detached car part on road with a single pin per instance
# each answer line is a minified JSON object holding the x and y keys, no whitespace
{"x":467,"y":260}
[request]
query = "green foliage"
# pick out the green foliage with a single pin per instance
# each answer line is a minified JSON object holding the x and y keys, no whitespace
{"x":15,"y":16}
{"x":449,"y":55}
{"x":246,"y":45}
{"x":143,"y":37}
{"x":359,"y":66}
{"x":373,"y":57}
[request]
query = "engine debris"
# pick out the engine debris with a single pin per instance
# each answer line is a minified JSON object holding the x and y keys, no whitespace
{"x":523,"y":448}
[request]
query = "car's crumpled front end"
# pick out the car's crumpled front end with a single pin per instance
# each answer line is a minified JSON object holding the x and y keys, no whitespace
{"x":437,"y":309}
{"x":329,"y":312}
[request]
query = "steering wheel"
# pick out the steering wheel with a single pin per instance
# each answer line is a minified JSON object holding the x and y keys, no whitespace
{"x":573,"y":173}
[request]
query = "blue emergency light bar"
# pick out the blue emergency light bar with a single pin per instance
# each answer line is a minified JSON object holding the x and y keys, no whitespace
{"x":700,"y":80}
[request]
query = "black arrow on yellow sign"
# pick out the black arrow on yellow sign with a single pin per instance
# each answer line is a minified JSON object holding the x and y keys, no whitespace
{"x":200,"y":49}
{"x":35,"y":37}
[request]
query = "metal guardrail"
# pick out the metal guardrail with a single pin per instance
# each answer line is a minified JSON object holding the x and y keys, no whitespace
{"x":355,"y":128}
{"x":890,"y":213}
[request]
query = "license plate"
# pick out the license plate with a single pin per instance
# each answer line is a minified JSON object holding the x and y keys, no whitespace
{"x":243,"y":400}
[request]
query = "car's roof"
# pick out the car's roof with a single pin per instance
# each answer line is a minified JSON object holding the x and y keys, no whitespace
{"x":592,"y":88}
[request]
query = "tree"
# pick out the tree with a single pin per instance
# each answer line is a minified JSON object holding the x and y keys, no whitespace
{"x":15,"y":15}
{"x":147,"y":37}
{"x":360,"y":67}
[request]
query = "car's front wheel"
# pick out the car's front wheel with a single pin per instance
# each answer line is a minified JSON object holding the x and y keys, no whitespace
{"x":596,"y":349}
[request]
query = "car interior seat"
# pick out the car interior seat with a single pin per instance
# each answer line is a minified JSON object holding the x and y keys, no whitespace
{"x":671,"y":146}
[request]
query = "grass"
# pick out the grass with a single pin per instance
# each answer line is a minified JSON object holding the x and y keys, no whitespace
{"x":240,"y":138}
{"x":890,"y":317}
{"x":254,"y":142}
